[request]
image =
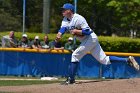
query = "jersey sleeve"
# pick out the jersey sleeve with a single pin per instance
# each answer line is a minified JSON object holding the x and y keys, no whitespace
{"x":64,"y":26}
{"x":85,"y":27}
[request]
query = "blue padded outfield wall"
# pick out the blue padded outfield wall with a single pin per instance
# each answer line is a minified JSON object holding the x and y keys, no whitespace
{"x":19,"y":62}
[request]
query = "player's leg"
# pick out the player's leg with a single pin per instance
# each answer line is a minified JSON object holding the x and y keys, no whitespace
{"x":73,"y":66}
{"x":72,"y":69}
{"x":117,"y":59}
{"x":99,"y":54}
{"x":130,"y":61}
{"x":84,"y":47}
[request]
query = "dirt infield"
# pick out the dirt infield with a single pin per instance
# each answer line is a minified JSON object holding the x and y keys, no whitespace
{"x":106,"y":86}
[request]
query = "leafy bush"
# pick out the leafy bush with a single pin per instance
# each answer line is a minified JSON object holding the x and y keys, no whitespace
{"x":120,"y":44}
{"x":110,"y":44}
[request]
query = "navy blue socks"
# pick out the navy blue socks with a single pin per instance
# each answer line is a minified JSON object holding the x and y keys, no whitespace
{"x":117,"y":59}
{"x":72,"y":70}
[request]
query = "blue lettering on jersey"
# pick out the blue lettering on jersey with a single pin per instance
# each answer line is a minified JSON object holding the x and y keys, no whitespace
{"x":71,"y":27}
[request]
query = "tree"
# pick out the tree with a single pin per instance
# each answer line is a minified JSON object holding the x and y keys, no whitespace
{"x":106,"y":17}
{"x":9,"y":20}
{"x":127,"y":12}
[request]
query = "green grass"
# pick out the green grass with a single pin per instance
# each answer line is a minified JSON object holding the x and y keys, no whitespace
{"x":24,"y":82}
{"x":6,"y":92}
{"x":36,"y":80}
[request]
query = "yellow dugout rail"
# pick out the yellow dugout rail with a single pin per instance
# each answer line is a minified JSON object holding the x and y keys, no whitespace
{"x":64,"y":51}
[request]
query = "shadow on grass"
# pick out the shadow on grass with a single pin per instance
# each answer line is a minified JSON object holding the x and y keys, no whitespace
{"x":92,"y":81}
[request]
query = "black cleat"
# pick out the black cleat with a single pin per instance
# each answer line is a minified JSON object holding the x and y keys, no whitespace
{"x":68,"y":81}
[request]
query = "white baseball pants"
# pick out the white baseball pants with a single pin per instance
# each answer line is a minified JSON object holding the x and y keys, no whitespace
{"x":90,"y":44}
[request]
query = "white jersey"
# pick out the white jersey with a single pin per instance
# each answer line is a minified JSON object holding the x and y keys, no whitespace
{"x":77,"y":22}
{"x":89,"y":42}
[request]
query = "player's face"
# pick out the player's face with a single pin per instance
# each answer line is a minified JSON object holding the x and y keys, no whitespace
{"x":66,"y":13}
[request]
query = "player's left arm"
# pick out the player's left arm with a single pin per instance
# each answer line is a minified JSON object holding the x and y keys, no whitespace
{"x":85,"y":29}
{"x":81,"y":32}
{"x":76,"y":32}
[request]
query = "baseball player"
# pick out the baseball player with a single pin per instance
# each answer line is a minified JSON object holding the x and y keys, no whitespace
{"x":78,"y":26}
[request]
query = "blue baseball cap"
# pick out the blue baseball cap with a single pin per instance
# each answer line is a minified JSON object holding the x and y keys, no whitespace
{"x":68,"y":6}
